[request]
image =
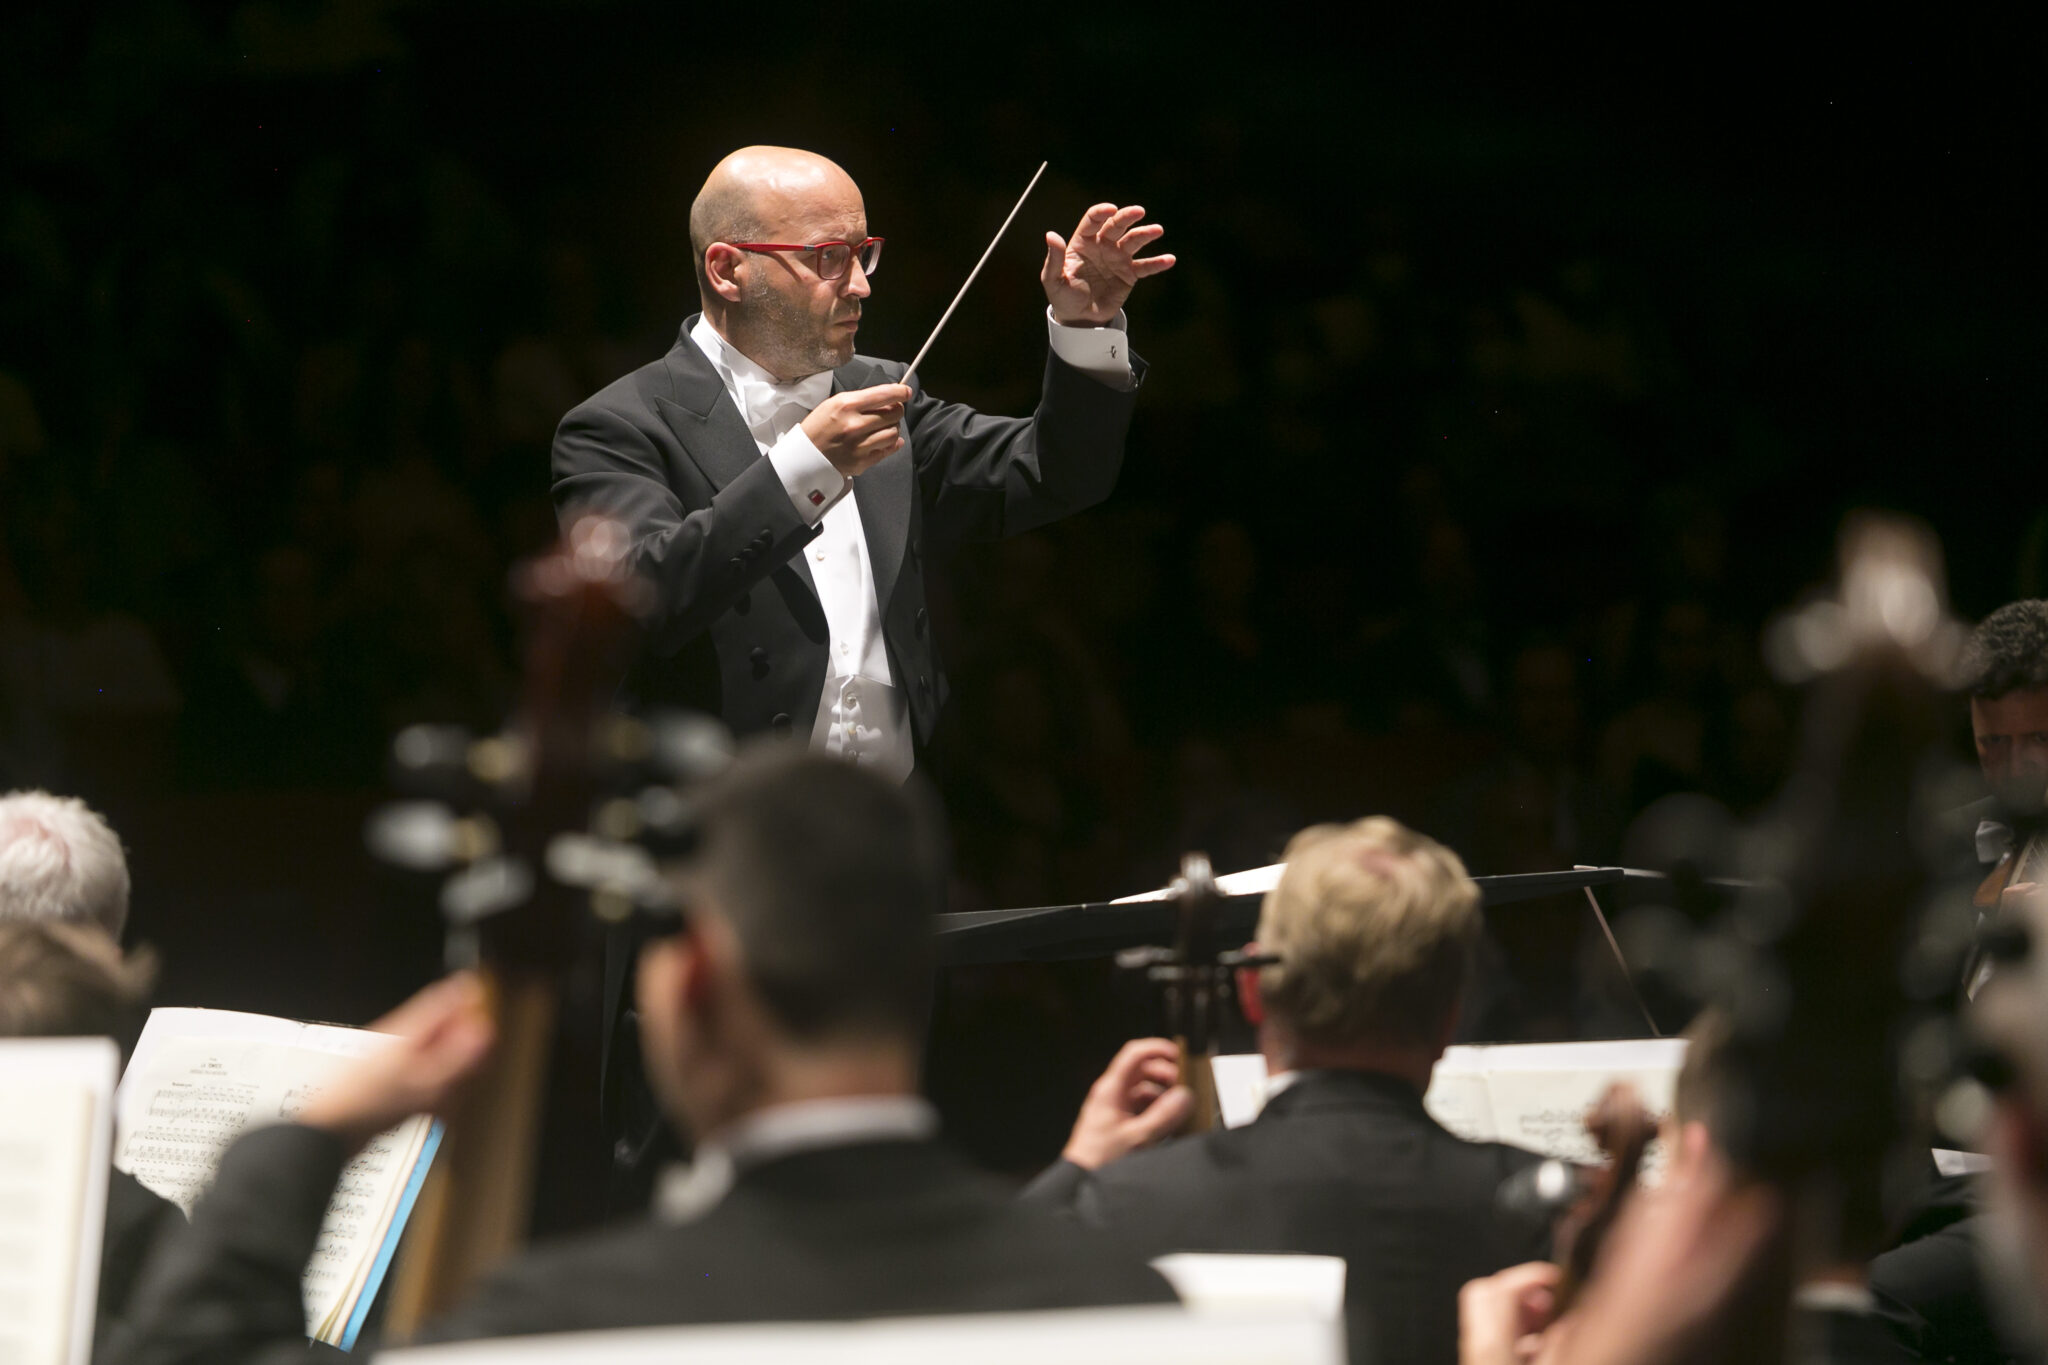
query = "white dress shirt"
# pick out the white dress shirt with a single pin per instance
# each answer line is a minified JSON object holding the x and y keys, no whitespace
{"x":862,"y":715}
{"x":688,"y":1192}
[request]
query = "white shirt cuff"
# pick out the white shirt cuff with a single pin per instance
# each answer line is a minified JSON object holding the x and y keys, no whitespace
{"x":1100,"y":351}
{"x":813,"y":483}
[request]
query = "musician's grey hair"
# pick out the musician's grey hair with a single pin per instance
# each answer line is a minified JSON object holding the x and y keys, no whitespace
{"x":1373,"y":924}
{"x":60,"y":861}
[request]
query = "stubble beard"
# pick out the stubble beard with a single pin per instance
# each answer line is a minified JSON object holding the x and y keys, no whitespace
{"x":789,"y":340}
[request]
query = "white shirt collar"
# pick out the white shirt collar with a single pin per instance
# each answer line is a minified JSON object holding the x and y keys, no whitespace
{"x":688,"y":1192}
{"x":1831,"y":1296}
{"x":809,"y":1124}
{"x":758,"y":393}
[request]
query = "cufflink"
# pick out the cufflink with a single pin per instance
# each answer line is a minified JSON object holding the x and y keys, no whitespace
{"x":817,"y":498}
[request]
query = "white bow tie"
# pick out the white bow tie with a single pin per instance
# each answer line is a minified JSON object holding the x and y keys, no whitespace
{"x":772,"y":409}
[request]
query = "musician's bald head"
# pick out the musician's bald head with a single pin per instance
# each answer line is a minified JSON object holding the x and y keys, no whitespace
{"x":775,"y":306}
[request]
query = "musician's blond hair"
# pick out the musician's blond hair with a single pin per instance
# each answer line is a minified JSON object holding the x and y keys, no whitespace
{"x":1374,"y":926}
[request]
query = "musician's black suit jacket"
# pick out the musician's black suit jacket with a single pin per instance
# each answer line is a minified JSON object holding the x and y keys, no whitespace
{"x":1338,"y":1164}
{"x":874,"y":1229}
{"x":139,"y":1220}
{"x":740,"y":630}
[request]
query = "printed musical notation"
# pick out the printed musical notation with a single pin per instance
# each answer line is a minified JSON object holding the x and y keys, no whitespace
{"x":1534,"y":1095}
{"x":188,"y":1123}
{"x":201,"y":1078}
{"x":1537,"y":1095}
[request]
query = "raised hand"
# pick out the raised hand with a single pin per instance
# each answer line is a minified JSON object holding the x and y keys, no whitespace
{"x":1088,"y":278}
{"x":1500,"y":1317}
{"x":440,"y":1039}
{"x":1131,"y":1105}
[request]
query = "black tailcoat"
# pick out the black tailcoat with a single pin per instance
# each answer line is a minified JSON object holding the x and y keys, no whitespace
{"x":741,"y":633}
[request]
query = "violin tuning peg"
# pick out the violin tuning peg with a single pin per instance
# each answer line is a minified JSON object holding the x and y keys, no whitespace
{"x":486,"y":888}
{"x":602,"y":865}
{"x":618,"y":819}
{"x":668,"y":822}
{"x":496,"y":760}
{"x":611,"y":905}
{"x":1197,"y":877}
{"x":690,"y":746}
{"x":427,"y":750}
{"x":625,"y":740}
{"x":1891,"y":595}
{"x":417,"y":835}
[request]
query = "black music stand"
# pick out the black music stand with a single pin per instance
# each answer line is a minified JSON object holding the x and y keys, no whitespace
{"x":1055,"y":933}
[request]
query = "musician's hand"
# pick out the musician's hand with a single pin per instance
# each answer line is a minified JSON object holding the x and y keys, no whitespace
{"x":857,"y":430}
{"x":441,"y":1036}
{"x":1131,"y":1105}
{"x":1088,"y":278}
{"x":1499,"y":1317}
{"x":1671,"y":1274}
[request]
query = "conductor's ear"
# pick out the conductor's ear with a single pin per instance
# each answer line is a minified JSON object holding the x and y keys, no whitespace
{"x":721,"y":267}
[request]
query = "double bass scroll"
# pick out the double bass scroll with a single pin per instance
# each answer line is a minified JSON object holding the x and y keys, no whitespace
{"x":1196,"y":979}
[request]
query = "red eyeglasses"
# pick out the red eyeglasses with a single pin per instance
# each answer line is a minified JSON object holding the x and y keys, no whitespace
{"x":832,"y":258}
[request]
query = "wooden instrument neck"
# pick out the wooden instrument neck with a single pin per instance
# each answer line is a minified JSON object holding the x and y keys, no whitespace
{"x":1199,"y":1077}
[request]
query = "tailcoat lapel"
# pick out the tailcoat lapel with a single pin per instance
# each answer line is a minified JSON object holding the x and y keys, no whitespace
{"x":708,"y":424}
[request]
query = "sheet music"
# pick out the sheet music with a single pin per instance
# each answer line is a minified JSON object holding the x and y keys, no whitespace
{"x":1533,"y":1095}
{"x":1240,"y":1079}
{"x":186,"y":1099}
{"x":55,"y":1133}
{"x":1459,"y":1100}
{"x":200,"y":1078}
{"x":359,"y":1218}
{"x":1542,"y":1091}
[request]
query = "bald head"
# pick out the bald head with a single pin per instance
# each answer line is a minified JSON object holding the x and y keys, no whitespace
{"x":758,"y":192}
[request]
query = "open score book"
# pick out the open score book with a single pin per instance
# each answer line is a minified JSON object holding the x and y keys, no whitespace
{"x":200,"y":1077}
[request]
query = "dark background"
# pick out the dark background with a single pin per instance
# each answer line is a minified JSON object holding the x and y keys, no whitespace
{"x":1512,"y":374}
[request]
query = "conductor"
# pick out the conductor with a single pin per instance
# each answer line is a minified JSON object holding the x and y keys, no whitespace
{"x":786,"y":495}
